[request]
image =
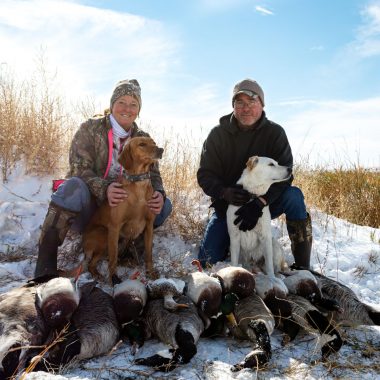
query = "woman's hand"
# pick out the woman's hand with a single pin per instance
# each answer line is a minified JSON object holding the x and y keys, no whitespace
{"x":115,"y":194}
{"x":156,"y":202}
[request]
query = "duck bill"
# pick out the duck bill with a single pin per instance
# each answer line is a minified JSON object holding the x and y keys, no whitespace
{"x":182,"y":306}
{"x":231,"y":319}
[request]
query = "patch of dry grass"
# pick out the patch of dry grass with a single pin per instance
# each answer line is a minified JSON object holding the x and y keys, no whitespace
{"x":351,"y":194}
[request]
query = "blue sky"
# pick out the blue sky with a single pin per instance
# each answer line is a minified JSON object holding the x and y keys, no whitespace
{"x":317,"y":61}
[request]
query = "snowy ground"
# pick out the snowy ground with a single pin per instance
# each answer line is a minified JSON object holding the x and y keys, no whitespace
{"x":341,"y":250}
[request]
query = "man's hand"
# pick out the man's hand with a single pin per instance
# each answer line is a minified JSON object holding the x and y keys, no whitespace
{"x":236,"y":195}
{"x":156,"y":202}
{"x":115,"y":194}
{"x":249,"y":214}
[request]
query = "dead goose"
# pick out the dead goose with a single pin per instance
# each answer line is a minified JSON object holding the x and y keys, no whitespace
{"x":180,"y":329}
{"x":21,"y":326}
{"x":303,"y":283}
{"x":129,"y":300}
{"x":205,"y":291}
{"x":58,"y":298}
{"x":256,"y":323}
{"x":167,"y":288}
{"x":307,"y":316}
{"x":273,"y":292}
{"x":355,"y":312}
{"x":93,"y":330}
{"x":236,"y":280}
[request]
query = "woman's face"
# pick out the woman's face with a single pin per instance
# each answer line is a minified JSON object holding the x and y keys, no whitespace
{"x":125,"y":110}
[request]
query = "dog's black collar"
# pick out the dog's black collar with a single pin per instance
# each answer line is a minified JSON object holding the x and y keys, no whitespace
{"x":137,"y":177}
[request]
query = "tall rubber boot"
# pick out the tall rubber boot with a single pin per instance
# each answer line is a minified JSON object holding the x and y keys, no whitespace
{"x":57,"y":222}
{"x":301,"y":238}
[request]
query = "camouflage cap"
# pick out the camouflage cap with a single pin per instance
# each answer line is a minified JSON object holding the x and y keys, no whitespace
{"x":126,"y":87}
{"x":249,"y":87}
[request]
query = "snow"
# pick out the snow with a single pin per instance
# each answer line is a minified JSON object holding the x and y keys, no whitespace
{"x":342,"y":250}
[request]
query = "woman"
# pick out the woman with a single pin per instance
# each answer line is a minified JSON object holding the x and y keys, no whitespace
{"x":92,"y":178}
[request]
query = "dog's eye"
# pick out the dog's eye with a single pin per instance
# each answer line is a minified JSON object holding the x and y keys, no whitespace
{"x":142,"y":144}
{"x":271,"y":164}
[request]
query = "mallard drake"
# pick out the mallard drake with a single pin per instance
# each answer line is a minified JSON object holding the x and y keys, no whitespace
{"x":307,"y":316}
{"x":21,"y":326}
{"x":354,"y":312}
{"x":58,"y":298}
{"x":303,"y":283}
{"x":93,"y":330}
{"x":167,"y":288}
{"x":180,"y":329}
{"x":236,"y":280}
{"x":205,"y":291}
{"x":256,"y":323}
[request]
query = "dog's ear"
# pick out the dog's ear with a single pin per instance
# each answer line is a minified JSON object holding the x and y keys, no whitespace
{"x":125,"y":157}
{"x":252,"y":162}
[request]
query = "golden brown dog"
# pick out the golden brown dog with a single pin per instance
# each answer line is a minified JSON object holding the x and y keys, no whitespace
{"x":129,"y":218}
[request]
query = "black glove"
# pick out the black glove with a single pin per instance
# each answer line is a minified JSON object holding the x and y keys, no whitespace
{"x":249,"y":214}
{"x":236,"y":195}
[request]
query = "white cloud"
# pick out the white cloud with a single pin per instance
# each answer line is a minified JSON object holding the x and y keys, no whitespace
{"x":367,"y":41}
{"x":263,"y":11}
{"x":335,"y":132}
{"x":91,"y":48}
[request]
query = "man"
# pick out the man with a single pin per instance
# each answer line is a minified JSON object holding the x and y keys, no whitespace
{"x":94,"y":169}
{"x":241,"y":134}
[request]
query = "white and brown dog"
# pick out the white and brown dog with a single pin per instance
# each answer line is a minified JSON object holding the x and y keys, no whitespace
{"x":257,"y":245}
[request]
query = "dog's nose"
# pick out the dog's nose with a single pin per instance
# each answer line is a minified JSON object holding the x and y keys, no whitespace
{"x":159,"y":152}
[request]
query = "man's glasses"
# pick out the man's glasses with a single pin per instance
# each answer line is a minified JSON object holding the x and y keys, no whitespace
{"x":250,"y":103}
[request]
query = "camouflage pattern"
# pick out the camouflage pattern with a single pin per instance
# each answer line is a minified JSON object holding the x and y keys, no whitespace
{"x":57,"y":218}
{"x":300,"y":230}
{"x":89,"y":156}
{"x":301,"y":238}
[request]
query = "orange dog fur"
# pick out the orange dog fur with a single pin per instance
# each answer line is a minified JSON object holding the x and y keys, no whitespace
{"x":129,"y":218}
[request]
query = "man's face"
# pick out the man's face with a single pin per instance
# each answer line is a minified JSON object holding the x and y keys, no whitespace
{"x":247,"y":110}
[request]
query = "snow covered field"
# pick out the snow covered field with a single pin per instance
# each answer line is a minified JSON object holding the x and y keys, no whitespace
{"x":344,"y":251}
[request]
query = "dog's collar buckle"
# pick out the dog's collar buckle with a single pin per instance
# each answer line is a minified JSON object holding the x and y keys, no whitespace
{"x":137,"y":177}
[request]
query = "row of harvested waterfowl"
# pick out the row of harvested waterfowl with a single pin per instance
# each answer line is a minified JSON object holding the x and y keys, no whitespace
{"x":44,"y":325}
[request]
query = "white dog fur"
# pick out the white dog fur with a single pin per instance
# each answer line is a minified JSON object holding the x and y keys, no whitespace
{"x":253,"y":246}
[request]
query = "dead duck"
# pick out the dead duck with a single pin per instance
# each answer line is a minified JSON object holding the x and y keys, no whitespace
{"x":180,"y":329}
{"x":273,"y":292}
{"x":354,"y":312}
{"x":93,"y":330}
{"x":205,"y":291}
{"x":307,"y":316}
{"x":256,"y":323}
{"x":304,"y":283}
{"x":237,"y":283}
{"x":167,"y":288}
{"x":236,"y":280}
{"x":58,"y":298}
{"x":21,"y":326}
{"x":129,"y":300}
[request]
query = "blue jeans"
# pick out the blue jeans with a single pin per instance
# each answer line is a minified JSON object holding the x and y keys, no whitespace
{"x":216,"y":241}
{"x":74,"y":195}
